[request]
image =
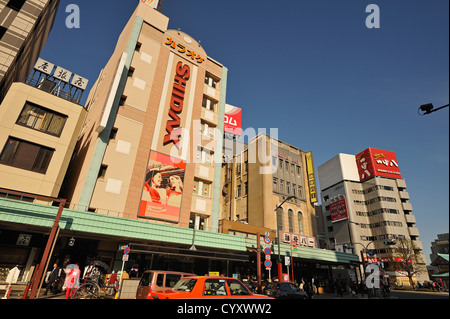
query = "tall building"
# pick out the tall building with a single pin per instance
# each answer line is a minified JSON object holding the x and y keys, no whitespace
{"x":262,"y":176}
{"x":366,"y":205}
{"x":154,"y":130}
{"x":24,"y":29}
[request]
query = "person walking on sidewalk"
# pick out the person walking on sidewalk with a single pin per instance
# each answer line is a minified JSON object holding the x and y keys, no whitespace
{"x":52,"y":280}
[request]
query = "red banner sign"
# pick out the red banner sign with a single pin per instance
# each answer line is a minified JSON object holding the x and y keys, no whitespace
{"x":374,"y":162}
{"x":338,"y":211}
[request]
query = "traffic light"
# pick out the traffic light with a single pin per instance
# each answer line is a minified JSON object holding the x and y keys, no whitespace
{"x":389,"y":243}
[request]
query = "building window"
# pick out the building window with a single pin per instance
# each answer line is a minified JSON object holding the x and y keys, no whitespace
{"x":207,"y":129}
{"x":113,"y":134}
{"x":209,"y":80}
{"x":281,"y":186}
{"x":288,"y":187}
{"x":246,"y":188}
{"x":16,"y":4}
{"x":41,"y":119}
{"x":238,"y":191}
{"x":201,"y":188}
{"x":299,"y":170}
{"x":102,"y":171}
{"x":291,"y":220}
{"x":280,"y":218}
{"x":204,"y":156}
{"x":138,"y":47}
{"x":300,"y":191}
{"x":281,"y":163}
{"x":300,"y":223}
{"x":286,"y":166}
{"x":275,"y":184}
{"x":202,"y":220}
{"x":294,"y":192}
{"x":209,"y":104}
{"x":2,"y":31}
{"x":26,"y":155}
{"x":122,"y":101}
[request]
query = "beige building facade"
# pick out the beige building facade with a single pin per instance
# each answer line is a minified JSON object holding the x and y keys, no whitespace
{"x":38,"y":134}
{"x":149,"y":147}
{"x":259,"y":179}
{"x":366,"y":209}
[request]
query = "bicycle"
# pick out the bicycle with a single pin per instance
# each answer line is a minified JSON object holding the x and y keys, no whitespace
{"x":88,"y":290}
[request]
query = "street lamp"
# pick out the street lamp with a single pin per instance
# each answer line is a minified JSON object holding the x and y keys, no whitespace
{"x":280,"y":264}
{"x":429,"y":108}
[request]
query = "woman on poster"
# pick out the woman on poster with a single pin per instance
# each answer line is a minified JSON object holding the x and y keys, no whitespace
{"x":152,"y":184}
{"x":175,"y":191}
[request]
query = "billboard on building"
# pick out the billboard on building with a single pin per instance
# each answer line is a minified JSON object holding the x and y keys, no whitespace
{"x":338,"y":211}
{"x":311,"y":178}
{"x":155,"y":4}
{"x":374,"y":162}
{"x":233,"y":119}
{"x":163,"y":188}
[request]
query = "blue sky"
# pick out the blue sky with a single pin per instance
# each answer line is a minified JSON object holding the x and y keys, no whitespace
{"x":313,"y":70}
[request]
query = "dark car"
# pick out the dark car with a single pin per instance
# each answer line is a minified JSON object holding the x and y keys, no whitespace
{"x":284,"y":290}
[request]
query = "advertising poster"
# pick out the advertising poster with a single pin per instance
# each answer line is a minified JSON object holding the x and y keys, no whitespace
{"x":338,"y":211}
{"x":163,"y":188}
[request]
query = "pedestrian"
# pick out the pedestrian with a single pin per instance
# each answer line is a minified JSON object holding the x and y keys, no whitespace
{"x":124,"y":275}
{"x":112,"y":283}
{"x":72,"y":279}
{"x":52,"y":280}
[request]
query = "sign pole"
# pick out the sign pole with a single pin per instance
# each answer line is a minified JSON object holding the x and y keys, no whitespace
{"x":258,"y":260}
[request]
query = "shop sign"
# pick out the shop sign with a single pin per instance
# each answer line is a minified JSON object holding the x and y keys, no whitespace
{"x":23,"y":240}
{"x":183,"y":50}
{"x":173,"y":130}
{"x":338,"y":211}
{"x":374,"y":162}
{"x":311,"y":178}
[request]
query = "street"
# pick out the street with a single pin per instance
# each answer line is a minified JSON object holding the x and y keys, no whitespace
{"x":401,"y":294}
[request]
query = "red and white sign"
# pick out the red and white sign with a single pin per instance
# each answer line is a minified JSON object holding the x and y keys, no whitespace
{"x":374,"y":162}
{"x":338,"y":210}
{"x":233,"y":119}
{"x":298,"y":240}
{"x":386,"y":260}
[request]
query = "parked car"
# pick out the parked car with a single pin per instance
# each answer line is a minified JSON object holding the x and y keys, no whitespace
{"x":209,"y":288}
{"x":157,"y":280}
{"x":284,"y":290}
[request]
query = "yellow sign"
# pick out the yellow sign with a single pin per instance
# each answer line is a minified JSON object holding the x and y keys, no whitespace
{"x":214,"y":274}
{"x":311,"y":178}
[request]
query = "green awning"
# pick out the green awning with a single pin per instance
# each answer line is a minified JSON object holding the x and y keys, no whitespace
{"x":13,"y":211}
{"x":441,"y":275}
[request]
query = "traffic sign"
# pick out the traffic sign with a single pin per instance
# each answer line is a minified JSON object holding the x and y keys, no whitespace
{"x":267,"y":251}
{"x":267,"y":240}
{"x":268,"y":263}
{"x":126,"y":251}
